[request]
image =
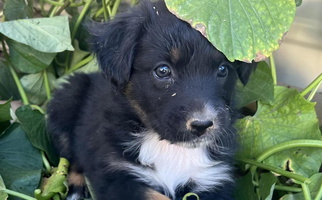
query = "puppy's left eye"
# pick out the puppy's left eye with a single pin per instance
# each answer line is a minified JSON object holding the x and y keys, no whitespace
{"x":162,"y":71}
{"x":222,"y":71}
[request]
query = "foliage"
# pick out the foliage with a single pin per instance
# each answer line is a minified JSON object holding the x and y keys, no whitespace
{"x":43,"y":42}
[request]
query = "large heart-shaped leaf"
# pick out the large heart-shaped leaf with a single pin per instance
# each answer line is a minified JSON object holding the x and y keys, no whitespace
{"x":49,"y":35}
{"x":20,"y":162}
{"x":27,"y":59}
{"x":242,"y":29}
{"x":287,"y":118}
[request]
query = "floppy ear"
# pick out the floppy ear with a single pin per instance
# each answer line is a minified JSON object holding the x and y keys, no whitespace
{"x":114,"y":44}
{"x":244,"y":70}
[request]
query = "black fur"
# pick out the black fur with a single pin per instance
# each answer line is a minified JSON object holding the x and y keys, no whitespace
{"x":94,"y":116}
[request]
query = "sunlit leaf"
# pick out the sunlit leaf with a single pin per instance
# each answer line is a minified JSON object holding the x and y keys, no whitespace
{"x":259,"y":86}
{"x":242,"y":29}
{"x":289,"y":117}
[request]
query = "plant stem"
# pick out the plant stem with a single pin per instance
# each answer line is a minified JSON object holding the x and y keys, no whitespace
{"x":80,"y":64}
{"x":287,"y":188}
{"x":18,"y":194}
{"x":80,"y":18}
{"x":45,"y":162}
{"x":276,"y":170}
{"x":306,"y":191}
{"x":312,"y":85}
{"x":47,"y":86}
{"x":105,"y":10}
{"x":55,"y":3}
{"x":115,"y":8}
{"x":273,"y":69}
{"x":14,"y":75}
{"x":21,"y":90}
{"x":288,"y":145}
{"x":319,"y":194}
{"x":36,"y":107}
{"x":53,"y":11}
{"x":312,"y":94}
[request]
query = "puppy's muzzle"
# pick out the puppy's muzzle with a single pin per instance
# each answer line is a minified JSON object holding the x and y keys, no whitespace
{"x":199,"y":127}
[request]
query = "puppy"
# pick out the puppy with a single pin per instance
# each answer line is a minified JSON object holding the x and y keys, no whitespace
{"x":156,"y":123}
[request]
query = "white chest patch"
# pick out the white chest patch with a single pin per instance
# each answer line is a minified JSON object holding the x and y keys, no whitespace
{"x":170,"y":166}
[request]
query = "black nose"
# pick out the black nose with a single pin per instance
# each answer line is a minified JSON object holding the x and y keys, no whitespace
{"x":199,"y":127}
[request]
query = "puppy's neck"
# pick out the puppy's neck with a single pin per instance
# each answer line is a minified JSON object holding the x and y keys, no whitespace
{"x":169,"y":166}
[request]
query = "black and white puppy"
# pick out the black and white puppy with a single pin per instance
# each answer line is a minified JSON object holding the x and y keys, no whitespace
{"x":156,"y":123}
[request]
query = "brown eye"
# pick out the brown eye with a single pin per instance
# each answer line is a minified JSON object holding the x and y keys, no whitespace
{"x":222,"y":71}
{"x":162,"y":71}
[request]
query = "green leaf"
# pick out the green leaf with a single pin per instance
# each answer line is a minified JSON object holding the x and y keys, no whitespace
{"x":241,"y":29}
{"x":20,"y":162}
{"x":245,"y":189}
{"x":57,"y":182}
{"x":34,"y":123}
{"x":78,"y":54}
{"x":315,"y":186}
{"x":259,"y":86}
{"x":27,"y":59}
{"x":8,"y":87}
{"x":34,"y":86}
{"x":289,"y":117}
{"x":3,"y":194}
{"x":5,"y":111}
{"x":266,"y":186}
{"x":18,"y":9}
{"x":49,"y":35}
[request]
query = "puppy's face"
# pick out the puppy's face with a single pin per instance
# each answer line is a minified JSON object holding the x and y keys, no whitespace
{"x":178,"y":83}
{"x":181,"y":86}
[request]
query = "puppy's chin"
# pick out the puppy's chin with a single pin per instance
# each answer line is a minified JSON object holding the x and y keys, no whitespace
{"x":208,"y":139}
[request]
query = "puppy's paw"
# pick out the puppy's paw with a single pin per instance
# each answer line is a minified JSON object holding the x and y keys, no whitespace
{"x":77,"y":187}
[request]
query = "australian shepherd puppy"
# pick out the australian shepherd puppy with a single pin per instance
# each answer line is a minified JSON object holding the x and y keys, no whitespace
{"x":156,"y":122}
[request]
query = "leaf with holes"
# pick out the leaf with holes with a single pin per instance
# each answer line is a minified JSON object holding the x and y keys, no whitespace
{"x":287,"y":118}
{"x":242,"y":29}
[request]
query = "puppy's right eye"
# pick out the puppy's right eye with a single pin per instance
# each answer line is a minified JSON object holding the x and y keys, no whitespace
{"x":162,"y":71}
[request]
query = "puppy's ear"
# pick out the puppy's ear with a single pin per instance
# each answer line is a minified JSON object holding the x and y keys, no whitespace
{"x":114,"y":43}
{"x":244,"y":70}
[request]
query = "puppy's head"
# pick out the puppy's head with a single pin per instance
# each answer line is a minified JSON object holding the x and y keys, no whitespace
{"x":179,"y":84}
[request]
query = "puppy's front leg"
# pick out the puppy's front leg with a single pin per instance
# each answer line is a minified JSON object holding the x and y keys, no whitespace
{"x":123,"y":188}
{"x":154,"y":195}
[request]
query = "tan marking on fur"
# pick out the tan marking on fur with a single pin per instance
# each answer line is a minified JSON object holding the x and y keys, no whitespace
{"x":77,"y":179}
{"x":154,"y":195}
{"x":175,"y":55}
{"x":135,"y":105}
